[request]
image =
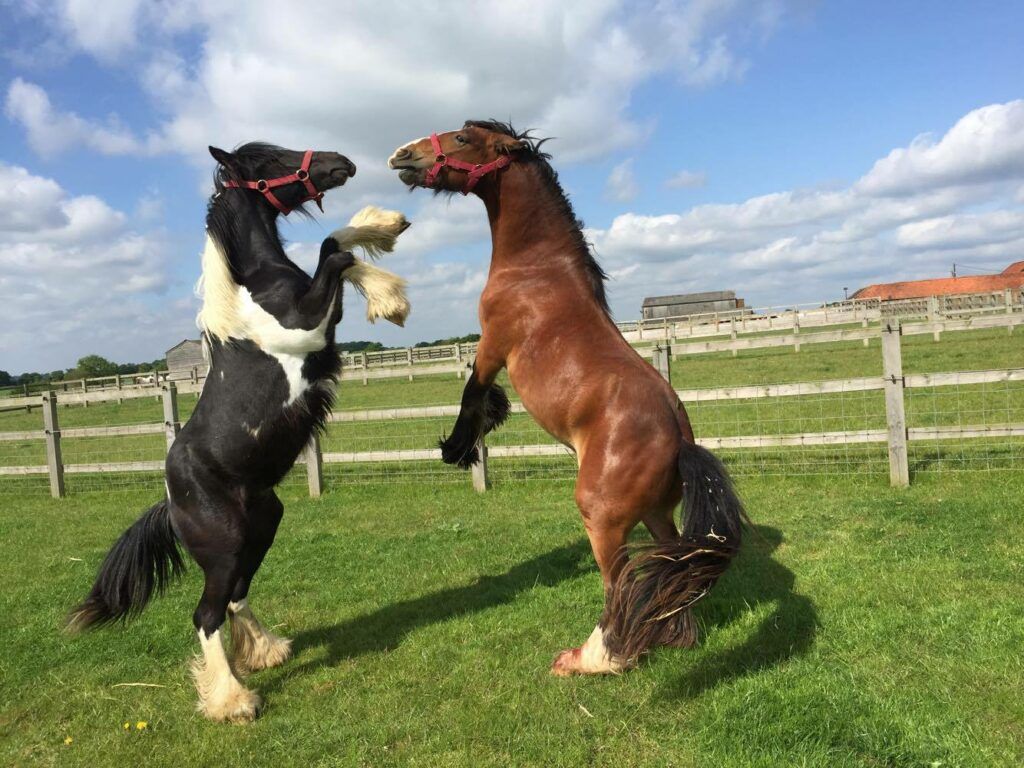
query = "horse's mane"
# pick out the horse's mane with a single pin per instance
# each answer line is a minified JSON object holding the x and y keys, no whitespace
{"x":253,"y":161}
{"x":533,"y":154}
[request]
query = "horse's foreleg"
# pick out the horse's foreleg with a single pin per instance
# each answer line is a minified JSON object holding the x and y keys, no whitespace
{"x":484,"y":407}
{"x":252,"y":646}
{"x":324,"y":293}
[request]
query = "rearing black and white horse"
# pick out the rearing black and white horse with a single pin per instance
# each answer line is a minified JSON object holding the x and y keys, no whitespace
{"x":269,"y":329}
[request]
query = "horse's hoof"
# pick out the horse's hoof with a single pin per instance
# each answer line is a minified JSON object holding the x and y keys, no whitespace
{"x":238,"y":705}
{"x":264,"y":652}
{"x":567,"y":663}
{"x":458,"y":454}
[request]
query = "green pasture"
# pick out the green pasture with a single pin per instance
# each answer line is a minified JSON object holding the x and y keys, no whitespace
{"x":860,"y":626}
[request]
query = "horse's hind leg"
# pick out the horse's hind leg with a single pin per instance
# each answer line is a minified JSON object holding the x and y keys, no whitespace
{"x":607,"y":539}
{"x":252,"y":646}
{"x":221,"y":695}
{"x":662,"y":526}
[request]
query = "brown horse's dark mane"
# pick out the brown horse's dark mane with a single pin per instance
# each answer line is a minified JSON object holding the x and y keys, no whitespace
{"x":532,"y":154}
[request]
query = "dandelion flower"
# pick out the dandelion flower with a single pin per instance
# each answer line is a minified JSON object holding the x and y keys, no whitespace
{"x":127,"y":725}
{"x":68,"y":740}
{"x":141,"y":725}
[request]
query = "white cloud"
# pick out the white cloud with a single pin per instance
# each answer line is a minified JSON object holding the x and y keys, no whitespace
{"x":985,"y":145}
{"x":51,"y":131}
{"x":907,"y":217}
{"x":75,"y":278}
{"x":621,"y":184}
{"x":686,"y":180}
{"x":105,"y":29}
{"x":363,"y":78}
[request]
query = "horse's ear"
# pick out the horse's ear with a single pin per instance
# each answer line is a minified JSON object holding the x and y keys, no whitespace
{"x":224,"y":158}
{"x":509,"y":144}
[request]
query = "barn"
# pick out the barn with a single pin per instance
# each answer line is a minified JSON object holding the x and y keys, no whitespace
{"x":184,"y":357}
{"x":679,"y":305}
{"x":1012,"y":277}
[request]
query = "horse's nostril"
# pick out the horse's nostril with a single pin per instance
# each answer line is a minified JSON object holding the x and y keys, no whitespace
{"x":351,"y":168}
{"x":402,"y":154}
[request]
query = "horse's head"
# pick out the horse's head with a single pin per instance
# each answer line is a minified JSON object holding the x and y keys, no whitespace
{"x":457,"y":160}
{"x":285,"y":178}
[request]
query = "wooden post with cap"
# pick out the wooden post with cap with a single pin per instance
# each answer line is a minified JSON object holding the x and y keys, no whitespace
{"x":51,"y":431}
{"x":895,"y":412}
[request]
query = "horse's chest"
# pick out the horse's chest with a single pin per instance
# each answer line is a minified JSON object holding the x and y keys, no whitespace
{"x":288,"y":346}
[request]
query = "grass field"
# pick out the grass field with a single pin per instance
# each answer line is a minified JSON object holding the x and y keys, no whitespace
{"x":860,"y":626}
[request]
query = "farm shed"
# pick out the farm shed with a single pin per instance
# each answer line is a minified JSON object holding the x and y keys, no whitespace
{"x":682,"y":304}
{"x":183,"y":357}
{"x":1011,"y":277}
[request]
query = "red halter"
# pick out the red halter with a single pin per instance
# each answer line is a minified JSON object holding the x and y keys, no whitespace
{"x":476,"y":170}
{"x":264,"y":186}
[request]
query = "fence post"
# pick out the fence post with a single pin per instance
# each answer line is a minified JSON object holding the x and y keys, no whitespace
{"x":662,"y":361}
{"x":171,"y":423}
{"x":458,"y":359}
{"x":895,"y":414}
{"x":864,"y":324}
{"x":1008,"y":300}
{"x":408,"y":359}
{"x":365,"y":378}
{"x":314,"y":466}
{"x":732,"y":335}
{"x":934,"y":317}
{"x":481,"y":482}
{"x":51,"y":430}
{"x":796,"y":330}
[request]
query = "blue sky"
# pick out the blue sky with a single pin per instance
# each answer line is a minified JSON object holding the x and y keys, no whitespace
{"x":794,"y":131}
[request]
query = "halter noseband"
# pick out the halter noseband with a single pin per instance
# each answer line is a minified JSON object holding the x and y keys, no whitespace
{"x":476,"y":171}
{"x":265,"y":186}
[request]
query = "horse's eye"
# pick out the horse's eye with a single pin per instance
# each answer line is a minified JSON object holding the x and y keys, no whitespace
{"x":460,"y":139}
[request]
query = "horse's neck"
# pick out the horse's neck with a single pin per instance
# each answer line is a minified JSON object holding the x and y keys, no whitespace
{"x":254,"y":243}
{"x":529,"y":223}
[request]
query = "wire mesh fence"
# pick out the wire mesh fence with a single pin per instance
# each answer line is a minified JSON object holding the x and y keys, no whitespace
{"x":953,"y":422}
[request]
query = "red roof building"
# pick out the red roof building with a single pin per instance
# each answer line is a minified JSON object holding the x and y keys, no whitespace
{"x":1011,"y":277}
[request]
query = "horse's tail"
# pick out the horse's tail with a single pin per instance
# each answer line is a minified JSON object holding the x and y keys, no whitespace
{"x":145,"y":559}
{"x":662,"y":580}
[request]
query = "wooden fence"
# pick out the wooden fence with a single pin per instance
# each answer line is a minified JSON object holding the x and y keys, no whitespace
{"x":934,"y":315}
{"x":893,"y":383}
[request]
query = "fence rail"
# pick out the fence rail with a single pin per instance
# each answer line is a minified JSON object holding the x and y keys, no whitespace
{"x":934,"y":315}
{"x":885,"y":417}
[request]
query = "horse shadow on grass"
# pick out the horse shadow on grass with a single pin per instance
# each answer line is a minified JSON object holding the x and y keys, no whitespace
{"x":787,"y":632}
{"x":754,"y":578}
{"x":385,"y":628}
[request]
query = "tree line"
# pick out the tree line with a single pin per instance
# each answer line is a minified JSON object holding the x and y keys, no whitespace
{"x":91,"y":366}
{"x":88,"y":367}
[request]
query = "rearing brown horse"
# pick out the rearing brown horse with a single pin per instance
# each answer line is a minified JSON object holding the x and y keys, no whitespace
{"x":544,"y":316}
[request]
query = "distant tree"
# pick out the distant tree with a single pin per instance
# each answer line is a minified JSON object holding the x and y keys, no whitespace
{"x":6,"y":379}
{"x":360,"y":346}
{"x":468,"y":338}
{"x":94,"y":365}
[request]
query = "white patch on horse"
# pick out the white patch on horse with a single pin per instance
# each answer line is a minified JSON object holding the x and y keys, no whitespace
{"x":221,"y":695}
{"x":253,"y":647}
{"x":595,"y":657}
{"x":254,"y":432}
{"x":230,"y":312}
